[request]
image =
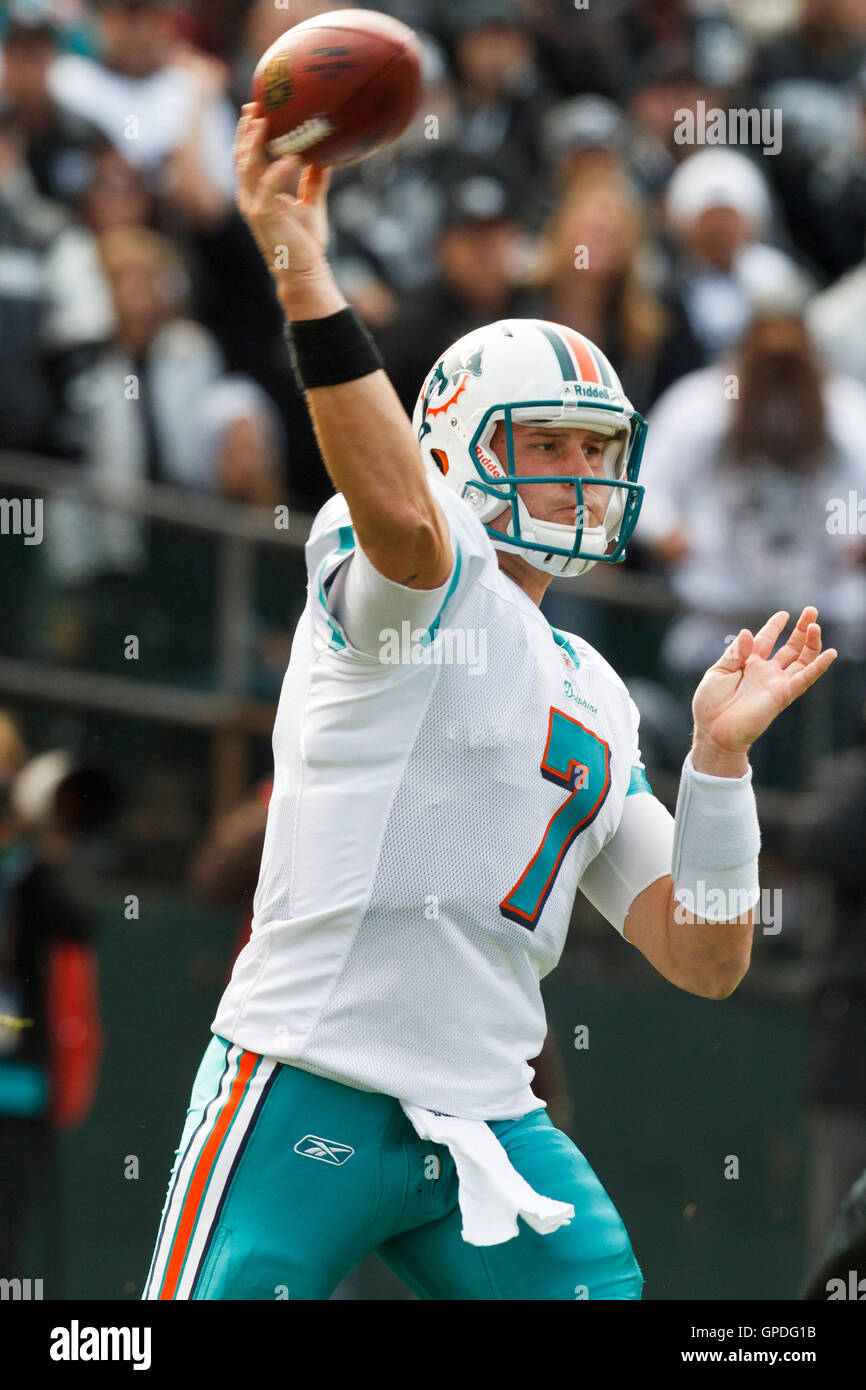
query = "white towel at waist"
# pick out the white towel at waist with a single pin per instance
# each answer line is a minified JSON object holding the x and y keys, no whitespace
{"x":492,"y":1194}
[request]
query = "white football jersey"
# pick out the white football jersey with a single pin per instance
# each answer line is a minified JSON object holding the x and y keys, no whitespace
{"x":433,"y":810}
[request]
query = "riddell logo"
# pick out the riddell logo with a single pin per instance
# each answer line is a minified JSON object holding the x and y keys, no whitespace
{"x":487,"y":463}
{"x":326,"y":1150}
{"x":602,"y":393}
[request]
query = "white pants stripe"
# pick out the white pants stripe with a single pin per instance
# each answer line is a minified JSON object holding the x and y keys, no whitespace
{"x":209,"y":1097}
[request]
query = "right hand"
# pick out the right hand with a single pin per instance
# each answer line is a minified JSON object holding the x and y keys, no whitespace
{"x":291,"y":233}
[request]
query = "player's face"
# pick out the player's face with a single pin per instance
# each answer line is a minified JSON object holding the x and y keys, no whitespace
{"x":540,"y":451}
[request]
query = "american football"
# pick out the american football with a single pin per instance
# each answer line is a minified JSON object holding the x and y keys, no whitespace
{"x":339,"y":87}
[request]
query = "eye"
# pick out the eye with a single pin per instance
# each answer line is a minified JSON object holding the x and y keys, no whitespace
{"x":548,"y":444}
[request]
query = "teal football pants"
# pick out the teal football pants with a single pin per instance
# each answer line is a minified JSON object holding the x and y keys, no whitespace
{"x":285,"y":1181}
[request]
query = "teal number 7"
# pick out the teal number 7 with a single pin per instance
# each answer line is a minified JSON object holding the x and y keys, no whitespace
{"x":577,"y":759}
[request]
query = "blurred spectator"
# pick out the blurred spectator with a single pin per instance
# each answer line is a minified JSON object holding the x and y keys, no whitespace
{"x":150,"y":386}
{"x":664,"y":85}
{"x":502,"y":91}
{"x":242,"y":443}
{"x":145,"y":398}
{"x":478,"y":255}
{"x":585,"y":135}
{"x":55,"y":309}
{"x":741,"y":464}
{"x":718,"y":210}
{"x":115,"y":194}
{"x":820,"y":172}
{"x":392,"y":205}
{"x":61,"y":144}
{"x":588,"y":49}
{"x":162,"y":105}
{"x":826,"y":45}
{"x":836,"y":318}
{"x":50,"y":1033}
{"x":593,"y":271}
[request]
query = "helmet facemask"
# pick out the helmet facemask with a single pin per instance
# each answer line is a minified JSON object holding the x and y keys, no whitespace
{"x":556,"y":548}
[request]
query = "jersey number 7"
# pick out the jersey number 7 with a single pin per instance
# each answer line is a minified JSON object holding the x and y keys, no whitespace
{"x":578,"y":760}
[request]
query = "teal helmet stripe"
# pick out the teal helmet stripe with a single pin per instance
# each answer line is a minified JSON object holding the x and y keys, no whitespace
{"x":563,"y":356}
{"x":604,"y":371}
{"x":568,"y":364}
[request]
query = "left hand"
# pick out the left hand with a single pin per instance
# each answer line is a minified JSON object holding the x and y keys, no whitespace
{"x":741,"y":695}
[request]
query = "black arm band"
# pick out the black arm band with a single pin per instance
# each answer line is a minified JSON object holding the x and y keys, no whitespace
{"x":329,"y":351}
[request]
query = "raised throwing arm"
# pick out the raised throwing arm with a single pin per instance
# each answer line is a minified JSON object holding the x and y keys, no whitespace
{"x":363,"y":432}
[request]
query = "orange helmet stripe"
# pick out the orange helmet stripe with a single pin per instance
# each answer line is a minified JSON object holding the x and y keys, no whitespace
{"x":584,"y":360}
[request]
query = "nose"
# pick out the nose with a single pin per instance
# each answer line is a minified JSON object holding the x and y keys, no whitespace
{"x":576,"y":465}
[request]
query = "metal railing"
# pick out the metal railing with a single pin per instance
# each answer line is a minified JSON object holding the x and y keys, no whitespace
{"x":227,"y":711}
{"x":238,"y":531}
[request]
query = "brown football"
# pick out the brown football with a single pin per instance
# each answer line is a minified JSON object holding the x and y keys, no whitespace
{"x":339,"y":87}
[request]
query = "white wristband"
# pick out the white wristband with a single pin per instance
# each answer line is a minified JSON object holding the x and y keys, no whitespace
{"x":716,"y":843}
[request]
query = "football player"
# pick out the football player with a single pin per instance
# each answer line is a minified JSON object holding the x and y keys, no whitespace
{"x":448,"y":771}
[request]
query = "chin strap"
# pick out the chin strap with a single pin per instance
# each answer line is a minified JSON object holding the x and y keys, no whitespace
{"x":596,"y":539}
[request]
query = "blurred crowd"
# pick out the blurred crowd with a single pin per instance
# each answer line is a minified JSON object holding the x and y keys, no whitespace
{"x":567,"y":162}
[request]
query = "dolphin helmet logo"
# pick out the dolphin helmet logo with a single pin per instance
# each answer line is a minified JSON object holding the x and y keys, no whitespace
{"x":451,"y":371}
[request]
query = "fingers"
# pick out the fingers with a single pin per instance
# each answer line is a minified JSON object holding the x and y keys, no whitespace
{"x":277,"y":176}
{"x":247,"y":113}
{"x":811,"y":647}
{"x":798,"y":640}
{"x":314,"y":184}
{"x":738,"y":653}
{"x":806,"y":675}
{"x":766,"y":639}
{"x":249,"y":149}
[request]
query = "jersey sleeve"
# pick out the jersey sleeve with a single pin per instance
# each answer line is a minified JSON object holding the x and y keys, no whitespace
{"x":358,"y":612}
{"x":638,"y":780}
{"x":641,"y":849}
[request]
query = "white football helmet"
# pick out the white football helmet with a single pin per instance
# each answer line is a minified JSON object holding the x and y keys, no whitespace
{"x":529,"y":371}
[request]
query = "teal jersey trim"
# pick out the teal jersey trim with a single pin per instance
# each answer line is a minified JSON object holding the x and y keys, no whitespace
{"x":638,"y":782}
{"x":562,"y":641}
{"x":434,"y":626}
{"x":23,"y":1088}
{"x":347,"y":545}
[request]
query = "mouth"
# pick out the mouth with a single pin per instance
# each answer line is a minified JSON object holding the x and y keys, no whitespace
{"x":567,"y":516}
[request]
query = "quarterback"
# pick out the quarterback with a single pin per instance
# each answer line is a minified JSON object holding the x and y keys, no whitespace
{"x":367,"y":1086}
